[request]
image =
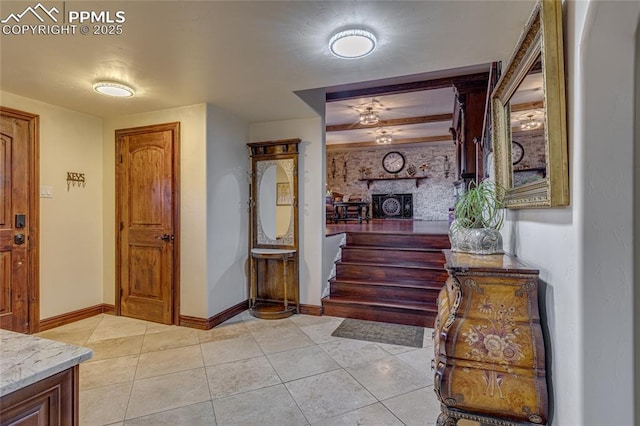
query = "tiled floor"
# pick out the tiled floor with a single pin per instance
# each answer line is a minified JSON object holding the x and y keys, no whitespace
{"x":247,"y":372}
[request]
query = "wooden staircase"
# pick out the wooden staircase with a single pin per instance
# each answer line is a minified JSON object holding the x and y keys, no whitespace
{"x":388,"y":277}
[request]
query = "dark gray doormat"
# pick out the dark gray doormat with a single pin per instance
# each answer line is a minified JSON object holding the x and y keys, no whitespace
{"x":380,"y":332}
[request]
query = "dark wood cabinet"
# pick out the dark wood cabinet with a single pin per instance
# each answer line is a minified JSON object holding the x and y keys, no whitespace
{"x":52,"y":401}
{"x":468,"y":127}
{"x":488,"y":343}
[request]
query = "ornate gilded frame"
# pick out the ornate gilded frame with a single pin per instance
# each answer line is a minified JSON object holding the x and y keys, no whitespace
{"x":542,"y":36}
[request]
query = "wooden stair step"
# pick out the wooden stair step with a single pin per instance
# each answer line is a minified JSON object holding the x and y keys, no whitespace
{"x":420,"y":285}
{"x":397,"y":256}
{"x":434,"y":241}
{"x":408,"y":313}
{"x":385,"y":291}
{"x":398,"y":273}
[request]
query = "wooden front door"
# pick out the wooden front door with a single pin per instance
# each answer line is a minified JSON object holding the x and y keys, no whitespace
{"x":147,"y":222}
{"x":18,"y":221}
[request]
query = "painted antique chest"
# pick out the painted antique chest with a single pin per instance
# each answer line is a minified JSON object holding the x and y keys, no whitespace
{"x":489,"y":349}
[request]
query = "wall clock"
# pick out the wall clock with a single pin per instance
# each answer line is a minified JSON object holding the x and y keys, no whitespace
{"x":517,"y":152}
{"x":393,"y":162}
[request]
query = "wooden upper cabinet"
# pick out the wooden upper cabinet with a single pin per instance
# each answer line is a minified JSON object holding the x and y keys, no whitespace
{"x":468,"y":127}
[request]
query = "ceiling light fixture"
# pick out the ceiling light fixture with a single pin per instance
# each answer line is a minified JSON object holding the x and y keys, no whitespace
{"x":384,"y":136}
{"x":530,"y":123}
{"x":112,"y":88}
{"x":352,"y":44}
{"x":369,"y":117}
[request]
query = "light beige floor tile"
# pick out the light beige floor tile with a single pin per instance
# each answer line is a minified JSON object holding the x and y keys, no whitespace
{"x":302,"y":320}
{"x":104,"y":405}
{"x":230,"y":350}
{"x":388,"y":377}
{"x":200,"y":414}
{"x":328,"y":395}
{"x":347,"y":352}
{"x":224,"y":332}
{"x":256,"y":325}
{"x":115,"y":348}
{"x":396,"y":349}
{"x":375,"y":414}
{"x":167,"y":392}
{"x":419,"y":360}
{"x":417,"y":408}
{"x":155,"y":327}
{"x":112,"y":327}
{"x":173,"y":337}
{"x":272,"y":406}
{"x":298,"y":363}
{"x":169,"y":361}
{"x":321,"y":333}
{"x":427,"y":341}
{"x":106,"y":372}
{"x":241,"y":376}
{"x":283,"y":338}
{"x":73,"y":337}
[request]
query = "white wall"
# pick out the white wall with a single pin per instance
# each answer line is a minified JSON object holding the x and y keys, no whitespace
{"x":70,"y":222}
{"x":193,"y":202}
{"x":584,"y":251}
{"x":311,"y":196}
{"x":227,"y":187}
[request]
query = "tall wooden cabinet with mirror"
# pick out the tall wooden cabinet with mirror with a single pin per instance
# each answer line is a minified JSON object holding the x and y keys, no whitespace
{"x":273,"y":216}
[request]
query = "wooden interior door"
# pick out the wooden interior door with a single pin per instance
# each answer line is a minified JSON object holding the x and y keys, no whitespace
{"x":18,"y":221}
{"x":147,"y":222}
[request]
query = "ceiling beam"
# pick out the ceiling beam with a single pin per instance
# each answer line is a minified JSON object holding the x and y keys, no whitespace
{"x":526,"y":106}
{"x":406,"y":141}
{"x":415,"y":86}
{"x":394,"y":122}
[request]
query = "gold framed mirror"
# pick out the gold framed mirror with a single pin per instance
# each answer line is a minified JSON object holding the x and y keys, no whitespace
{"x":529,"y":116}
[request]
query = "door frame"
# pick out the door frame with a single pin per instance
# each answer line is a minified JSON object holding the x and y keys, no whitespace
{"x":175,"y":201}
{"x":33,"y":192}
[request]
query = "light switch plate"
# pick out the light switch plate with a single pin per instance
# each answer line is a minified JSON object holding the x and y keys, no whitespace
{"x":46,"y":191}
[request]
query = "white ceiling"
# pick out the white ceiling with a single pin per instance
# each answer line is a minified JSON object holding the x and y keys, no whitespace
{"x":251,"y":56}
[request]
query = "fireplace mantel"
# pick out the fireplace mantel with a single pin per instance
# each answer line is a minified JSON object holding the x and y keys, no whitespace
{"x":416,"y":178}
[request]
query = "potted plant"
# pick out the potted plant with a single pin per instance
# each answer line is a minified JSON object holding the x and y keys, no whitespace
{"x":479,"y":216}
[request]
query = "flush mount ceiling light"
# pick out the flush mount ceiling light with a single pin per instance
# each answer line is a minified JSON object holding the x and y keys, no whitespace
{"x":112,"y":88}
{"x":384,"y":136}
{"x":530,"y":123}
{"x":369,"y":117}
{"x":352,"y":44}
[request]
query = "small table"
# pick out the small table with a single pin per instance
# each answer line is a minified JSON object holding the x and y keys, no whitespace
{"x":343,"y":214}
{"x":272,"y":309}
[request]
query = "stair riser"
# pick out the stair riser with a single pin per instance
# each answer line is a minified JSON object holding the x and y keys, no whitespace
{"x":397,"y":294}
{"x":430,"y":259}
{"x":399,"y":240}
{"x":407,"y":317}
{"x":388,"y":273}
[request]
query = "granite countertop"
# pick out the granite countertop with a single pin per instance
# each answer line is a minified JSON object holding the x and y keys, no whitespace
{"x":26,"y":359}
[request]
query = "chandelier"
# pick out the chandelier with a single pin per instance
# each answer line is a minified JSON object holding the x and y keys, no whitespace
{"x":369,"y":116}
{"x":530,"y":123}
{"x":384,"y":136}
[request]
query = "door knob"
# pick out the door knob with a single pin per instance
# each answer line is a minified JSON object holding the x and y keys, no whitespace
{"x":19,"y":239}
{"x":166,"y":238}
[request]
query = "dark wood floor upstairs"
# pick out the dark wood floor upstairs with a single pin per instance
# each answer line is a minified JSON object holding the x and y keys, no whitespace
{"x":390,"y":270}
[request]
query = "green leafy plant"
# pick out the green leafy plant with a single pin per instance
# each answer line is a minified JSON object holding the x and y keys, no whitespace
{"x":481,"y":206}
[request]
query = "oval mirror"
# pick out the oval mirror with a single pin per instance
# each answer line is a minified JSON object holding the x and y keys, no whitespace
{"x":274,"y":203}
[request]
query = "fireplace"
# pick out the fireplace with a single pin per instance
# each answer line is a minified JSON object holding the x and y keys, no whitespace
{"x":392,"y":206}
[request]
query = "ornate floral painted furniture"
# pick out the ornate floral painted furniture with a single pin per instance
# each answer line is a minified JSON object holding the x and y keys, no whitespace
{"x":489,"y":350}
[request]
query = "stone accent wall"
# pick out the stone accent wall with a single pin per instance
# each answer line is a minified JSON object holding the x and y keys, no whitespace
{"x":534,"y":156}
{"x":431,"y":200}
